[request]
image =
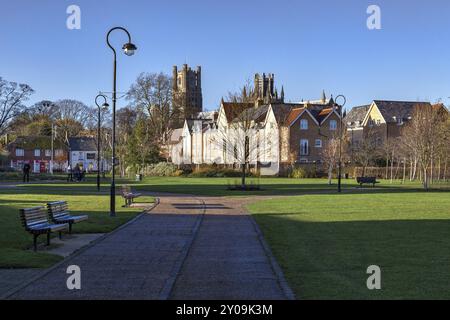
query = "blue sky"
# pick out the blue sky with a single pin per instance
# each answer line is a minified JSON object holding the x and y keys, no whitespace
{"x":309,"y":45}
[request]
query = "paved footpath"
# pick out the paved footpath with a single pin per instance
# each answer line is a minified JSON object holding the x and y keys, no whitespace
{"x":185,"y":248}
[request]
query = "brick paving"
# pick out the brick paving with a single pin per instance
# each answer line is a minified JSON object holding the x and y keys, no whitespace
{"x":186,"y":248}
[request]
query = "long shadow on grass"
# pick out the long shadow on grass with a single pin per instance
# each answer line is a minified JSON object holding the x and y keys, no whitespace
{"x":329,"y":260}
{"x":217,"y":189}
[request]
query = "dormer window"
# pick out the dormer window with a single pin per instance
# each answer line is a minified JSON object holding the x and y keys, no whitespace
{"x":303,"y":124}
{"x":399,"y":121}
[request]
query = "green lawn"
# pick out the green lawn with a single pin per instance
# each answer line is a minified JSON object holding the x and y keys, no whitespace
{"x":324,"y":243}
{"x":269,"y":186}
{"x":83,"y":198}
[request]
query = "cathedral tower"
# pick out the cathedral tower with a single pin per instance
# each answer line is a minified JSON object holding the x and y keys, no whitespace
{"x":187,"y":90}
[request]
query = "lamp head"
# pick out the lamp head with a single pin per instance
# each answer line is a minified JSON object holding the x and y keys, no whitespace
{"x":129,"y":48}
{"x":105,"y":106}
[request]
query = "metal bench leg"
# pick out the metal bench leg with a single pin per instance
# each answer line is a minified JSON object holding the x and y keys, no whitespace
{"x":70,"y":228}
{"x":48,"y":238}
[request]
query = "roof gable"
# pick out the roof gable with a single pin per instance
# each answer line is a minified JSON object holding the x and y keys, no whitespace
{"x":394,"y":110}
{"x":297,"y":113}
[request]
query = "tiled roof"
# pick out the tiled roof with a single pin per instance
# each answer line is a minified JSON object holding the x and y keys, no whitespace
{"x":282,"y":111}
{"x":36,"y":142}
{"x":257,"y":114}
{"x":398,"y":109}
{"x":294,"y":114}
{"x":233,"y":110}
{"x":322,"y":114}
{"x":82,"y":144}
{"x":357,"y":114}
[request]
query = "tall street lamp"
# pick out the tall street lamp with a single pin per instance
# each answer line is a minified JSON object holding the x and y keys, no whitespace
{"x":128,"y":49}
{"x":104,"y":106}
{"x":340,"y":106}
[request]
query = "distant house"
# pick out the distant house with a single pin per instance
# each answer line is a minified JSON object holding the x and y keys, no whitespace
{"x":385,"y":119}
{"x":354,"y":121}
{"x":83,"y":151}
{"x":36,"y":151}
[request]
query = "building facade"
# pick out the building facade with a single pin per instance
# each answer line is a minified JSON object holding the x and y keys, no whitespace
{"x":37,"y":152}
{"x":83,"y":152}
{"x":278,"y":135}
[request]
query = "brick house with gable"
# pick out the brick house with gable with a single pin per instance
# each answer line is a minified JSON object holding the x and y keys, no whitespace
{"x":36,"y":151}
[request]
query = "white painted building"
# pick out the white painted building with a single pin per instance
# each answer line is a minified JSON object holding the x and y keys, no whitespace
{"x":83,"y":151}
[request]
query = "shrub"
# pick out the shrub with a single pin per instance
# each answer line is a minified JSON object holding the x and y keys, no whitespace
{"x":303,"y":172}
{"x":215,"y":172}
{"x":162,"y":169}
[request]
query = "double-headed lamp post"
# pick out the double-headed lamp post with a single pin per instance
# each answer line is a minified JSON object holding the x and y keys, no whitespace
{"x":128,"y":49}
{"x":104,"y":106}
{"x":340,"y":106}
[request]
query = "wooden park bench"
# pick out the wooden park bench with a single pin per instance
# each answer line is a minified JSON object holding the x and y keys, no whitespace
{"x":366,"y":180}
{"x":128,"y":195}
{"x":35,"y":222}
{"x":58,"y":212}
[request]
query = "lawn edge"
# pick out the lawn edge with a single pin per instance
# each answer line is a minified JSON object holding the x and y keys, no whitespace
{"x":288,"y":292}
{"x":11,"y":292}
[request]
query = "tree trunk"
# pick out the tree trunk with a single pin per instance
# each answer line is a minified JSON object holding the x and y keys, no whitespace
{"x":404,"y":170}
{"x":392,"y":167}
{"x":387,"y":167}
{"x":410,"y":169}
{"x":243,"y":176}
{"x":330,"y":174}
{"x":425,"y":178}
{"x":439,"y":170}
{"x":431,"y":170}
{"x":445,"y":169}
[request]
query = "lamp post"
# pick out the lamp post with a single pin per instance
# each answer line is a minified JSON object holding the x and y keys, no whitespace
{"x":340,"y":106}
{"x":128,"y":49}
{"x":104,"y":106}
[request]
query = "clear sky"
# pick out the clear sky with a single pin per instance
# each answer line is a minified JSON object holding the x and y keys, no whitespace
{"x":309,"y":45}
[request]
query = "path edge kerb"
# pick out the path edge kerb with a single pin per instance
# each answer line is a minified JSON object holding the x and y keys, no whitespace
{"x":287,"y":291}
{"x":13,"y":291}
{"x":167,"y":290}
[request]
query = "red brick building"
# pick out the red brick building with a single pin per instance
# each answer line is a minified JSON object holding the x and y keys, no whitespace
{"x":37,"y":151}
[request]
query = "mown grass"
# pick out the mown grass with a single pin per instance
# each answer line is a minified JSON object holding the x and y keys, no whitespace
{"x":82,"y":198}
{"x":325,"y":243}
{"x":269,"y":186}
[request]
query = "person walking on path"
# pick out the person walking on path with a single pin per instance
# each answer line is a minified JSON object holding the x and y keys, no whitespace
{"x":69,"y":173}
{"x":26,"y":172}
{"x":77,"y":172}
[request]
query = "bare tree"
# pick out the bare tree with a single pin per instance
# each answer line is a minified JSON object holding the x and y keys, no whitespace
{"x":75,"y":111}
{"x":241,"y":140}
{"x":330,"y":156}
{"x":12,"y":97}
{"x":44,"y":108}
{"x":367,"y":150}
{"x":152,"y":94}
{"x":424,"y":134}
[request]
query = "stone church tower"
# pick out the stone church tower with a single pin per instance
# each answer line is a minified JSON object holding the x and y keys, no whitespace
{"x":265,"y":91}
{"x":187,"y":90}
